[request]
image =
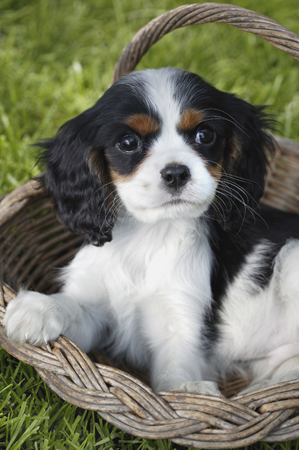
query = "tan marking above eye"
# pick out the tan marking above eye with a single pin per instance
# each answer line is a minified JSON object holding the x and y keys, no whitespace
{"x":142,"y":124}
{"x":190,"y":118}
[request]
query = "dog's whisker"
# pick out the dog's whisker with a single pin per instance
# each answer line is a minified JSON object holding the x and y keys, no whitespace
{"x":100,"y":188}
{"x":236,"y":186}
{"x":219,"y":209}
{"x":231,"y":118}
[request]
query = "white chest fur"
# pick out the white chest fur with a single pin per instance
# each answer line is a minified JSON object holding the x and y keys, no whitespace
{"x":153,"y":279}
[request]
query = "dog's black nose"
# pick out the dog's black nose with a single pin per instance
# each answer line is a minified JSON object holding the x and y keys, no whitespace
{"x":175,"y":175}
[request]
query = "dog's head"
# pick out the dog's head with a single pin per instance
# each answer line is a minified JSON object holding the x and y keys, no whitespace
{"x":166,"y":145}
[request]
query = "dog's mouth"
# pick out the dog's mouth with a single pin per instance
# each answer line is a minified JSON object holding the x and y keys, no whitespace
{"x":177,"y":201}
{"x":172,"y":208}
{"x":171,"y":202}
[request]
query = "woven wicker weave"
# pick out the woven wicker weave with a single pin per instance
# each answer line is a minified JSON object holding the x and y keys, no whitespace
{"x":32,"y":242}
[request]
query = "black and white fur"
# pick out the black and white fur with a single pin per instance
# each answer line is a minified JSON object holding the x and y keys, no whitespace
{"x":194,"y":278}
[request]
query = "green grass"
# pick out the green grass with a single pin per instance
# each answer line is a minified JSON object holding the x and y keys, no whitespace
{"x":33,"y":417}
{"x":56,"y":59}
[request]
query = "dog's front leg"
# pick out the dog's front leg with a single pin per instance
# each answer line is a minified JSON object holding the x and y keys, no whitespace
{"x":37,"y":318}
{"x":80,"y":311}
{"x":181,"y":373}
{"x":174,"y":336}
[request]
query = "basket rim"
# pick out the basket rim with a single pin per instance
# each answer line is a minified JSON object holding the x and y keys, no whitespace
{"x":201,"y":13}
{"x":185,"y":418}
{"x":193,"y":420}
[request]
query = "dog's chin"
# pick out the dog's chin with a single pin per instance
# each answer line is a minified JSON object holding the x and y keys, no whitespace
{"x":172,"y":210}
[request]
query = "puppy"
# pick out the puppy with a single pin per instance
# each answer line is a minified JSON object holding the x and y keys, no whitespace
{"x":195,"y":277}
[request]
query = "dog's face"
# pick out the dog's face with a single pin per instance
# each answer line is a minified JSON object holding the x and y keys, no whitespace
{"x":164,"y":144}
{"x":165,"y":155}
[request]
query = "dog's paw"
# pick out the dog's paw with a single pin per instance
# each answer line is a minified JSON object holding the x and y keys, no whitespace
{"x":33,"y":317}
{"x":199,"y":387}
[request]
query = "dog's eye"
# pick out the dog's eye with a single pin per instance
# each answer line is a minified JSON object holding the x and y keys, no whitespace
{"x":205,"y":136}
{"x":129,"y":144}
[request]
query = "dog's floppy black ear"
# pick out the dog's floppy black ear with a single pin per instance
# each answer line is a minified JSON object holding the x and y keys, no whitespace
{"x":246,"y":161}
{"x":78,"y":180}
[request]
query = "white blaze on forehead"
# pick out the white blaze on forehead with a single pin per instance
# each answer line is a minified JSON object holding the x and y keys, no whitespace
{"x":160,"y":86}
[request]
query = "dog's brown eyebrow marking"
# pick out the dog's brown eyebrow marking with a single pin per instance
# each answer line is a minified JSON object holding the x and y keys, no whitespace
{"x":142,"y":124}
{"x":190,"y":119}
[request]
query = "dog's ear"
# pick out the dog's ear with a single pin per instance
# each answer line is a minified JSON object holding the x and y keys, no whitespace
{"x":246,"y":161}
{"x":78,"y":180}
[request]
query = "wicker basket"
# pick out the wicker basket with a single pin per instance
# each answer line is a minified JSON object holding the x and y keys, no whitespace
{"x":32,"y":242}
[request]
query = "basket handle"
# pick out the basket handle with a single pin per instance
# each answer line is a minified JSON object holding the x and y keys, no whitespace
{"x":200,"y":13}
